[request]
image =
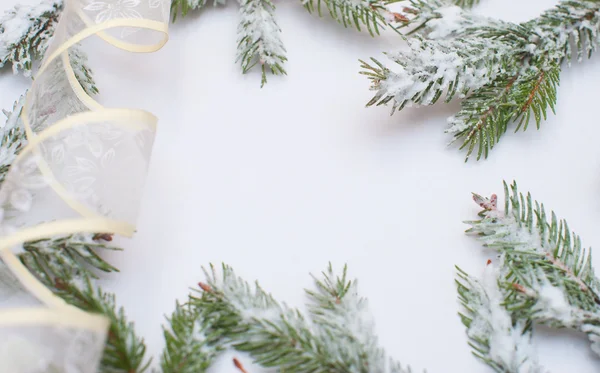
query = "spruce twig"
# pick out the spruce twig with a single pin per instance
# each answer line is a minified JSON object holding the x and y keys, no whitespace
{"x":19,"y":45}
{"x":191,"y":346}
{"x":275,"y":335}
{"x":496,"y":337}
{"x":517,"y":66}
{"x":183,"y":7}
{"x":370,"y":14}
{"x":259,"y":38}
{"x":545,"y":273}
{"x":125,"y":350}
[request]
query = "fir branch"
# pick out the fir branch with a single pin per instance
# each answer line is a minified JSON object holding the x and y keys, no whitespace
{"x":576,"y":21}
{"x":465,"y":3}
{"x":259,"y":38}
{"x":24,"y":33}
{"x":523,"y":61}
{"x":354,"y":13}
{"x":496,"y":337}
{"x":183,"y":7}
{"x":432,"y":67}
{"x":71,"y":256}
{"x":438,"y":19}
{"x":278,"y":336}
{"x":338,"y":311}
{"x":83,"y":72}
{"x":63,"y":265}
{"x":124,"y":351}
{"x":12,"y":137}
{"x":548,"y":274}
{"x":188,"y":348}
{"x":486,"y":114}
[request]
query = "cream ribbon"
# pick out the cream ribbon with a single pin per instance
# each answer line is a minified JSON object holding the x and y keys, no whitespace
{"x":84,"y":165}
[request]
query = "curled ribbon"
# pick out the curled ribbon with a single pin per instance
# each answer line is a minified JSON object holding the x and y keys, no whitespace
{"x":82,"y":171}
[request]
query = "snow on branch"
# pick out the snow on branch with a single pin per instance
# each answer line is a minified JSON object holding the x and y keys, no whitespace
{"x":24,"y":33}
{"x":372,"y":14}
{"x":546,"y":274}
{"x":185,"y":6}
{"x":338,"y":336}
{"x":433,"y":67}
{"x":259,"y":38}
{"x":496,"y":337}
{"x":523,"y":63}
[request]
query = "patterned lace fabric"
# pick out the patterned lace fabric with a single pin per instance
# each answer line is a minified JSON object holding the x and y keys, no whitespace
{"x":13,"y":294}
{"x":82,"y":170}
{"x":49,"y":349}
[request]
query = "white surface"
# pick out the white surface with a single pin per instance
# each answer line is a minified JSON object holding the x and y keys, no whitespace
{"x":279,"y":181}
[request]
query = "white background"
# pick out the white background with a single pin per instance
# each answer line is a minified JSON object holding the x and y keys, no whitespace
{"x":279,"y":181}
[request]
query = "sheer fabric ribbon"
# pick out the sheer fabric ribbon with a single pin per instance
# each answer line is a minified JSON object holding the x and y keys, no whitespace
{"x":82,"y":170}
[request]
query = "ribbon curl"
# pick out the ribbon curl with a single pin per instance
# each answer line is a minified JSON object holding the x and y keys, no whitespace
{"x":82,"y":170}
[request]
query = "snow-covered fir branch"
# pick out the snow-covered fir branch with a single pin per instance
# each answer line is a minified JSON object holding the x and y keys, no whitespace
{"x":571,"y":22}
{"x":371,"y":14}
{"x":12,"y":137}
{"x":485,"y":114}
{"x":83,"y":72}
{"x":183,"y":7}
{"x":259,"y":38}
{"x":190,"y":345}
{"x":497,"y":338}
{"x":336,"y":309}
{"x":71,"y":256}
{"x":125,"y":351}
{"x":24,"y":33}
{"x":523,"y":62}
{"x":546,"y":273}
{"x":431,"y":68}
{"x":337,"y":337}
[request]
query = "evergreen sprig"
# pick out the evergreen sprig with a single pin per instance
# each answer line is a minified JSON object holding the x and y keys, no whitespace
{"x":19,"y":45}
{"x":191,"y":345}
{"x":466,"y":3}
{"x":125,"y":350}
{"x":371,"y":14}
{"x":486,"y":114}
{"x":259,"y":38}
{"x":432,"y":68}
{"x":24,"y":35}
{"x":12,"y":137}
{"x":183,"y":7}
{"x":496,"y":337}
{"x":517,"y":65}
{"x":337,"y":337}
{"x":67,"y":257}
{"x":259,"y":35}
{"x":545,"y":275}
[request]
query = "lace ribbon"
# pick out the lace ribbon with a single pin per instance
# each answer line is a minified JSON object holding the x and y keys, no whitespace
{"x":82,"y":170}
